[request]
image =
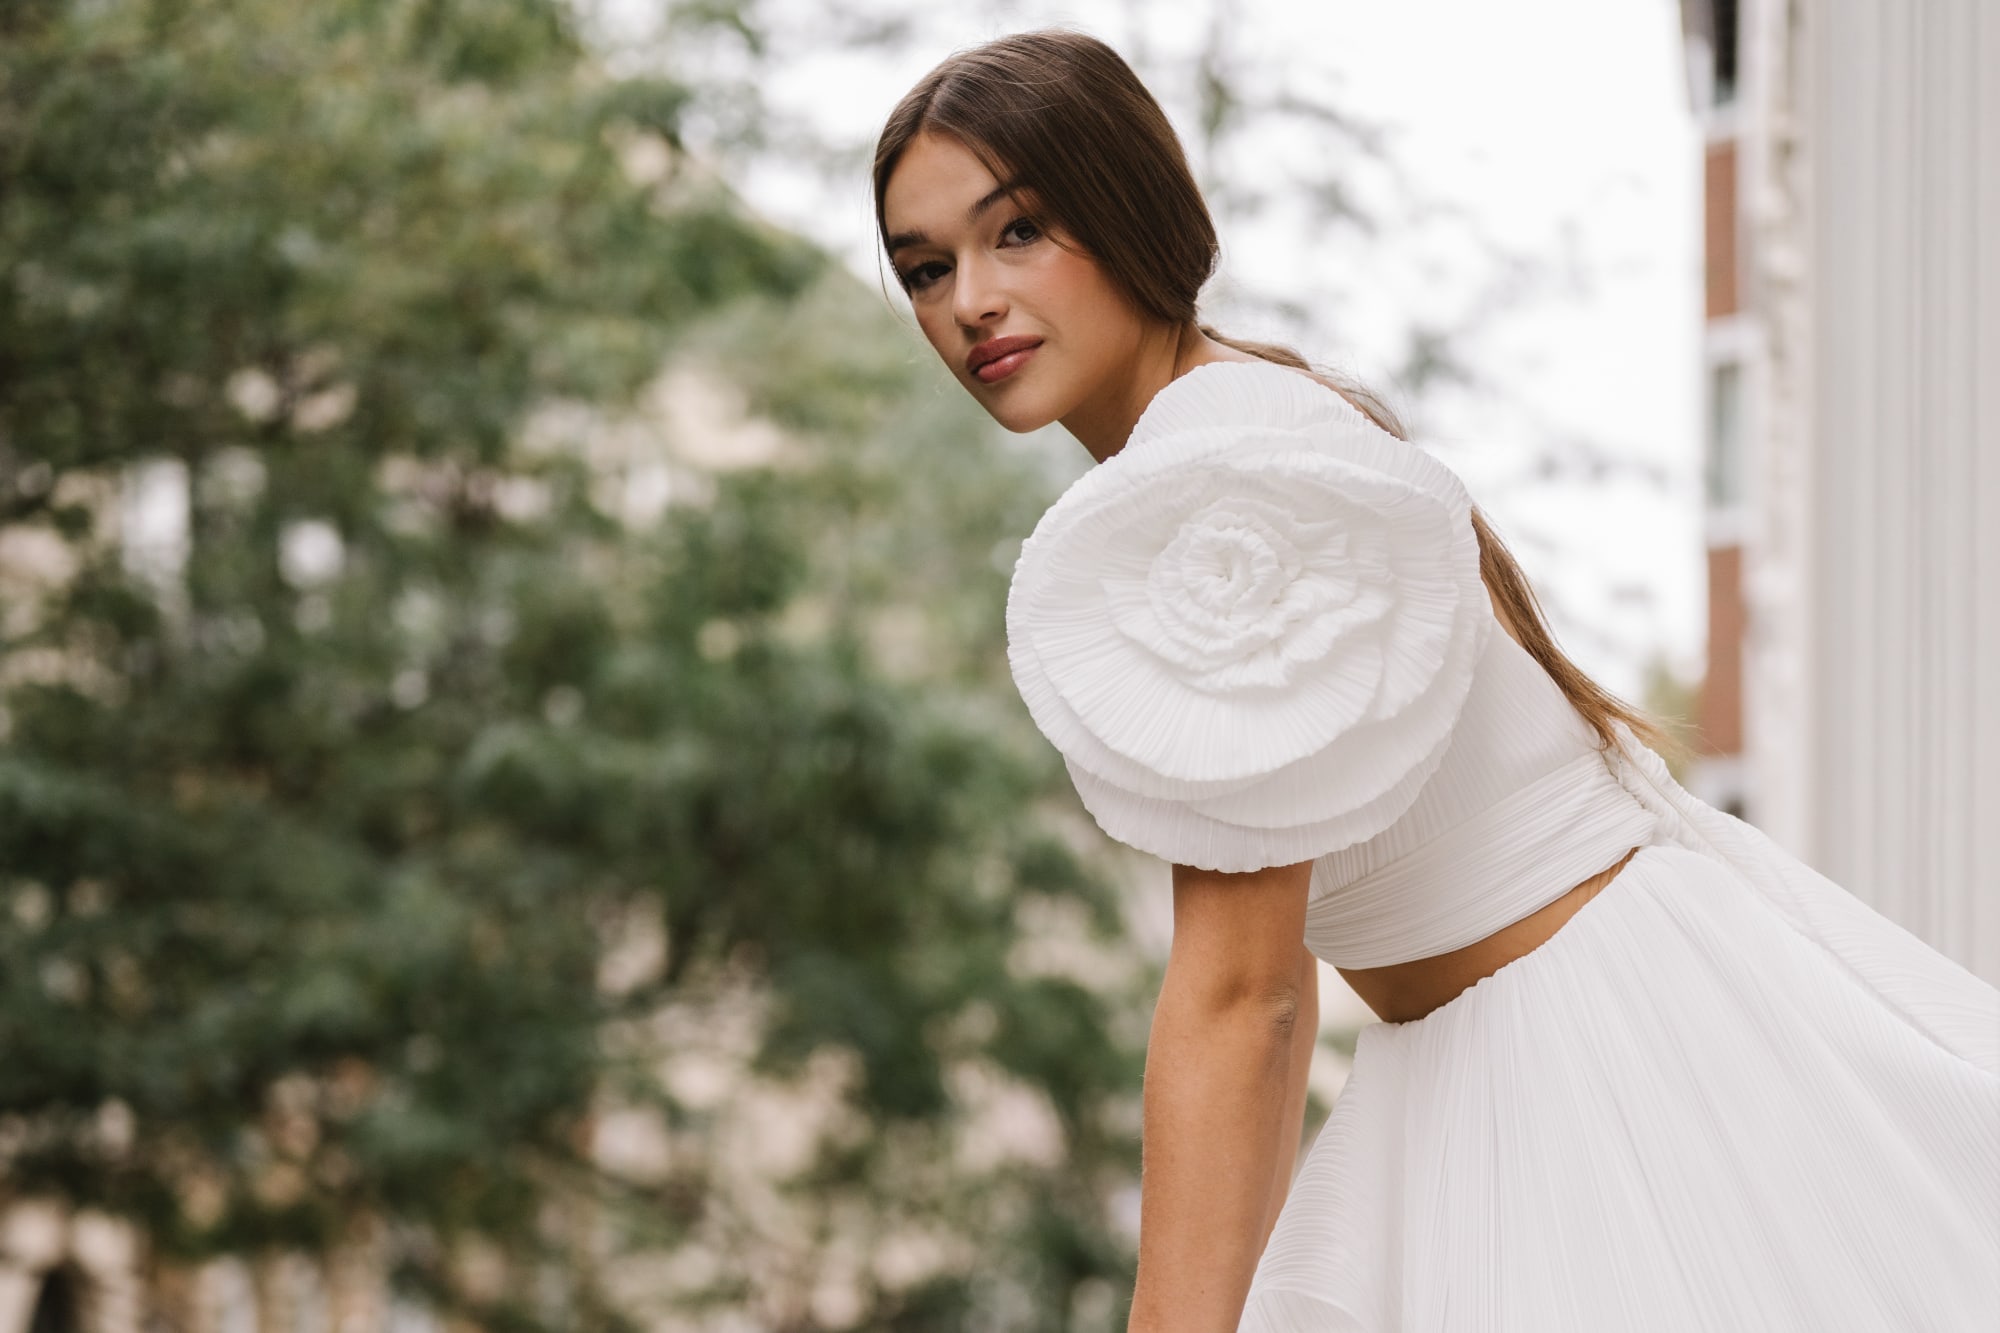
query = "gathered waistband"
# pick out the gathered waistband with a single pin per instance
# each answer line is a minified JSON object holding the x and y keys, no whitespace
{"x":1512,"y":858}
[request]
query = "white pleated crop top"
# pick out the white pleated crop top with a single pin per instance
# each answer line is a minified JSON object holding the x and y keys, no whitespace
{"x":1258,"y":636}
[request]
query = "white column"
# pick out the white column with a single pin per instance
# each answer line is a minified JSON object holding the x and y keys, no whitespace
{"x":1773,"y":194}
{"x":1901,"y":123}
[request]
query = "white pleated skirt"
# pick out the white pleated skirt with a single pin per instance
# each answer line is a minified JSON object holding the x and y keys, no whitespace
{"x":1721,"y":1097}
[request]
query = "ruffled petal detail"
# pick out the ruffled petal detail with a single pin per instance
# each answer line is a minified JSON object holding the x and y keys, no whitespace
{"x":1251,"y":630}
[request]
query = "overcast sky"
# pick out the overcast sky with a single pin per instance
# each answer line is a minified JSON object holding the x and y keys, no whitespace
{"x":1541,"y":119}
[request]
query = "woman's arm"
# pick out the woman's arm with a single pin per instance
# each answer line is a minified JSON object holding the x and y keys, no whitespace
{"x":1217,"y":1090}
{"x":1291,"y":1125}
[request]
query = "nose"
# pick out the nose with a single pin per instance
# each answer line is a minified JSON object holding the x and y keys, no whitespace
{"x":978,"y":296}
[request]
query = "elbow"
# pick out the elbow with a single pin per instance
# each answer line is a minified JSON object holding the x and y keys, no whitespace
{"x":1277,"y":1010}
{"x":1271,"y":1004}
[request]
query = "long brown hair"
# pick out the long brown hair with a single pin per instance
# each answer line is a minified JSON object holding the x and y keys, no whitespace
{"x":1063,"y":117}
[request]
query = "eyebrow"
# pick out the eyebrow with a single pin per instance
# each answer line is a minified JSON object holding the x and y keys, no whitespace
{"x":902,"y":240}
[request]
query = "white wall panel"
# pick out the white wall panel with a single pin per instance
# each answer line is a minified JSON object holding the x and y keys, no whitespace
{"x":1898,"y":781}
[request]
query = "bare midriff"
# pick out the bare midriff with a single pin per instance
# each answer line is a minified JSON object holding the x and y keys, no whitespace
{"x":1400,"y":992}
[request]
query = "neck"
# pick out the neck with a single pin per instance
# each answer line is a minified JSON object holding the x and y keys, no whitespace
{"x":1104,"y":421}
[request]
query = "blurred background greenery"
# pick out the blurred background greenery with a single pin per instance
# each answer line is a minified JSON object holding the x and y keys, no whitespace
{"x":512,"y":814}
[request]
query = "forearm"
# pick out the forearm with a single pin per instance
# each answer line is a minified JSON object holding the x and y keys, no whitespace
{"x":1305,"y":1040}
{"x":1217,"y":1088}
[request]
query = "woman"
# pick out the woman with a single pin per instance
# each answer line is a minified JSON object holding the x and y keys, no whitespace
{"x":1638,"y":1068}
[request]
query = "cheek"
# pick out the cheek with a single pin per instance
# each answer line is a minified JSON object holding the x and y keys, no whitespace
{"x":1095,"y":316}
{"x":938,"y":327}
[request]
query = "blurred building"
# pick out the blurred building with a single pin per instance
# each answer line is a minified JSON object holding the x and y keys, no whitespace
{"x":1852,"y":408}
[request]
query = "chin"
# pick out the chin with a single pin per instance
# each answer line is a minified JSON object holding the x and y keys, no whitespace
{"x":1017,"y":421}
{"x":1017,"y":411}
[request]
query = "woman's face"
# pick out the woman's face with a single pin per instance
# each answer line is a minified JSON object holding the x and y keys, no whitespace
{"x":983,"y":276}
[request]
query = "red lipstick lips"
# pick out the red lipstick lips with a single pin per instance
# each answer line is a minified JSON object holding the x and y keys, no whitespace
{"x":997,"y":358}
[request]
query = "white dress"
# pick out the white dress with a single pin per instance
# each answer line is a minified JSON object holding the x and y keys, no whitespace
{"x":1725,"y":1095}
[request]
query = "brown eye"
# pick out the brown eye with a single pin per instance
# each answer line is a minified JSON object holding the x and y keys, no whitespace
{"x":1024,"y":229}
{"x":922,"y":276}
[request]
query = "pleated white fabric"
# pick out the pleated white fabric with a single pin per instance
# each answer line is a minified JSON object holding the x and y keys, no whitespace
{"x":1682,"y":1112}
{"x":1725,"y":1095}
{"x":1523,"y":805}
{"x":1251,"y":629}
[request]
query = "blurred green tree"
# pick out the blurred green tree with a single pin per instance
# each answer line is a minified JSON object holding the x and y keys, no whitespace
{"x":392,"y":796}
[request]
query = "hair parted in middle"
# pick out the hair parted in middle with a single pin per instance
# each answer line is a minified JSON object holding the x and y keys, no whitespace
{"x":1062,"y":120}
{"x":1061,"y":117}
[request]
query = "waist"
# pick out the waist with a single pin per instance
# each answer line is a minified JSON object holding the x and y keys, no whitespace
{"x":1513,"y":858}
{"x":1403,"y":992}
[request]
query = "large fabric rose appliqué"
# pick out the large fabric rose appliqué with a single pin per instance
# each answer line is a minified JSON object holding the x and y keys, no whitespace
{"x":1251,"y":630}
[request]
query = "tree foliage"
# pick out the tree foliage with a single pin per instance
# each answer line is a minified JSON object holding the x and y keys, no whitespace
{"x":331,"y":823}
